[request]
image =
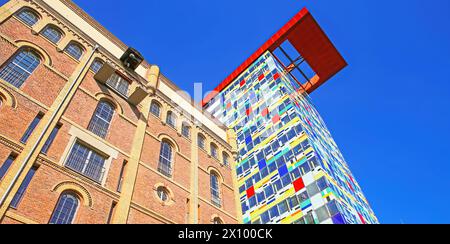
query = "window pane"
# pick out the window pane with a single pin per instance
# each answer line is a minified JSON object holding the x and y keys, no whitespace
{"x":226,"y":160}
{"x":52,"y":34}
{"x":155,"y":109}
{"x":312,"y":189}
{"x":171,"y":119}
{"x":31,"y":128}
{"x":86,"y":162}
{"x":101,"y":120}
{"x":28,"y":17}
{"x":119,"y":84}
{"x":214,"y":151}
{"x":322,"y":214}
{"x":333,"y":208}
{"x":50,"y":140}
{"x":21,"y":192}
{"x":165,"y":160}
{"x":186,"y":131}
{"x":75,"y":51}
{"x":201,"y":141}
{"x":322,"y":183}
{"x":65,"y":210}
{"x":96,"y":66}
{"x":6,"y":166}
{"x":215,"y":190}
{"x":17,"y":70}
{"x":163,"y":194}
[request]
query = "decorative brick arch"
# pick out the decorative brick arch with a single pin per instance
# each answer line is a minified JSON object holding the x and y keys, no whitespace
{"x":105,"y":97}
{"x":214,"y":170}
{"x":165,"y":137}
{"x":7,"y":97}
{"x":51,"y":25}
{"x":80,"y":190}
{"x":45,"y":57}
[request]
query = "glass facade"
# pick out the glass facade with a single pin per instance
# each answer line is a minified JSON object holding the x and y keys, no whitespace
{"x":289,"y":168}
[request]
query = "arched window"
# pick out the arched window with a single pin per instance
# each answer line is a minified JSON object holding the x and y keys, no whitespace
{"x":102,"y":119}
{"x":215,"y":189}
{"x":163,"y":194}
{"x":65,"y":210}
{"x":20,"y":67}
{"x":217,"y":221}
{"x":214,"y":151}
{"x":52,"y":34}
{"x":74,"y":50}
{"x":96,"y":65}
{"x":201,"y":141}
{"x":171,"y":119}
{"x":186,"y":130}
{"x":155,"y":109}
{"x":28,"y":17}
{"x":226,"y":159}
{"x":165,"y":159}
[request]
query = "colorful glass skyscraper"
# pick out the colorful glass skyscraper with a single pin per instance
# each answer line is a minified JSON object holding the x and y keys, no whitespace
{"x":289,"y":168}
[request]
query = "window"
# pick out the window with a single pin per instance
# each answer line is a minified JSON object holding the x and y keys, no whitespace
{"x":112,"y":210}
{"x":293,"y":202}
{"x":333,"y":208}
{"x":155,"y":109}
{"x":23,"y":188}
{"x":163,"y":194}
{"x":119,"y":84}
{"x":283,"y":207}
{"x":226,"y":159}
{"x":215,"y":189}
{"x":322,"y":214}
{"x":86,"y":162}
{"x":201,"y":141}
{"x":6,"y":165}
{"x":102,"y":119}
{"x":19,"y":68}
{"x":274,"y":212}
{"x":165,"y":159}
{"x":214,"y":151}
{"x":217,"y":221}
{"x":171,"y":119}
{"x":312,"y":189}
{"x":74,"y":50}
{"x":52,"y":34}
{"x":50,"y":140}
{"x":186,"y":131}
{"x":309,"y":219}
{"x":31,"y":128}
{"x":96,"y":66}
{"x":65,"y":210}
{"x":28,"y":17}
{"x":121,"y":175}
{"x":322,"y":183}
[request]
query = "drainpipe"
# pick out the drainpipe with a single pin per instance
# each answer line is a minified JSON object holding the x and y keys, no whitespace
{"x":47,"y":126}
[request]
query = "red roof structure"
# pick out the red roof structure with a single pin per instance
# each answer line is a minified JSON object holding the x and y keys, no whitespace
{"x":308,"y":38}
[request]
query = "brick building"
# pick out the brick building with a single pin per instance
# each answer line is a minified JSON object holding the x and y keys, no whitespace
{"x":90,"y":134}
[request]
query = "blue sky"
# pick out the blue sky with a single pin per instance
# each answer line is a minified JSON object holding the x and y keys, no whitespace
{"x":388,"y":110}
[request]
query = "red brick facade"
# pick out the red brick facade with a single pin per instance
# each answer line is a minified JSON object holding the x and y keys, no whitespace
{"x":40,"y":91}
